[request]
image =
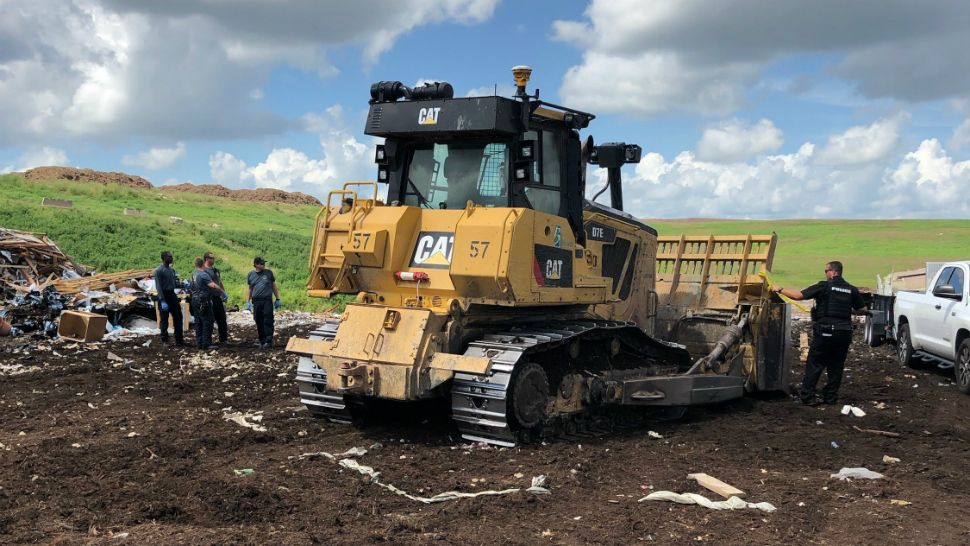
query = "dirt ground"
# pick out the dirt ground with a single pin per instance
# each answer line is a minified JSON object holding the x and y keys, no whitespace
{"x":133,"y":447}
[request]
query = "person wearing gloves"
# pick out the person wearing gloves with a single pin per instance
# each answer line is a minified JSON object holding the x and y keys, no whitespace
{"x":203,"y":290}
{"x":168,"y":302}
{"x":260,"y":293}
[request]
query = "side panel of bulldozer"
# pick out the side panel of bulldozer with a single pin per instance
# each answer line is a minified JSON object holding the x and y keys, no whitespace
{"x":705,"y":283}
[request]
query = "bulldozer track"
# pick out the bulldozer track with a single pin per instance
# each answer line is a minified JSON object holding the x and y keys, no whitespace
{"x":312,"y":381}
{"x":480,"y":403}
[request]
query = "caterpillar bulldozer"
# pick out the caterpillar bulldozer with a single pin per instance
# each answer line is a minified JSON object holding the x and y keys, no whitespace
{"x":483,"y":276}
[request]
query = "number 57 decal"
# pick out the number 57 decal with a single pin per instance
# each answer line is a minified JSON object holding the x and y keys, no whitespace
{"x":361,"y":239}
{"x":478,"y":249}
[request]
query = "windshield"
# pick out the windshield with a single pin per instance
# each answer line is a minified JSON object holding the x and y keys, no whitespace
{"x":448,"y":175}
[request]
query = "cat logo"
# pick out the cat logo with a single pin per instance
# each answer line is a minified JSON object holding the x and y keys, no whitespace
{"x":428,"y":116}
{"x":433,"y":249}
{"x":553,"y":270}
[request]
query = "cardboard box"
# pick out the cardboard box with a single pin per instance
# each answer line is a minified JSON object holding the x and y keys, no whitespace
{"x":82,"y":326}
{"x":186,"y":316}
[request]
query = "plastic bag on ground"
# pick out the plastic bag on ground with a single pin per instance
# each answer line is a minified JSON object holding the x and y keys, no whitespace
{"x":857,"y":473}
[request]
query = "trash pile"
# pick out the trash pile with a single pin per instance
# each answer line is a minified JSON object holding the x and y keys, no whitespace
{"x":38,"y":281}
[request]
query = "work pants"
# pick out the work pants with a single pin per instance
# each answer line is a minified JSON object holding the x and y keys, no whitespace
{"x":263,"y":315}
{"x":827,"y":351}
{"x":175,"y":310}
{"x":202,"y":307}
{"x":219,"y":317}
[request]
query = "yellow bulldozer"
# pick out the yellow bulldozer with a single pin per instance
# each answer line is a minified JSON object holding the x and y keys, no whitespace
{"x":483,"y":275}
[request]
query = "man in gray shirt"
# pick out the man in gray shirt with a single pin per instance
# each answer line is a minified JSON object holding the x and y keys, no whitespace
{"x":168,"y":302}
{"x":260,"y":290}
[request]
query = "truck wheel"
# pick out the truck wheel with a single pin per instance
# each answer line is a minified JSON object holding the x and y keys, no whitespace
{"x":962,"y":367}
{"x":874,"y":336}
{"x":904,"y":346}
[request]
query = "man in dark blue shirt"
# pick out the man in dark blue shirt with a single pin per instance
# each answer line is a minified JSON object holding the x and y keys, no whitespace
{"x":260,"y":290}
{"x":218,"y":309}
{"x":835,"y":303}
{"x":204,"y":289}
{"x":168,"y":303}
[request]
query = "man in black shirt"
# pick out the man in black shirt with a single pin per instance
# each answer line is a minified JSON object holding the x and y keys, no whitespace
{"x":204,"y":292}
{"x":168,"y":302}
{"x":260,"y":290}
{"x":835,"y":303}
{"x":218,"y":309}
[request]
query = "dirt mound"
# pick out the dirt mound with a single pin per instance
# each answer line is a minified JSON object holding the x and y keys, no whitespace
{"x":258,"y":194}
{"x":86,"y":175}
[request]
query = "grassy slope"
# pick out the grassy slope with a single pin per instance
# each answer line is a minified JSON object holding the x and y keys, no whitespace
{"x":96,"y":233}
{"x":866,"y":247}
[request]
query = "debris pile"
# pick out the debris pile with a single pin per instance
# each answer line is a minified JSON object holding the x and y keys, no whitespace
{"x":38,"y":281}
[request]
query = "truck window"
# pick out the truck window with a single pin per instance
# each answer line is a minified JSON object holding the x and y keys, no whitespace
{"x":956,"y":279}
{"x":944,"y":278}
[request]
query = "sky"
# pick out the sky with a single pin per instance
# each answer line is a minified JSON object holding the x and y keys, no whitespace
{"x":744,"y":108}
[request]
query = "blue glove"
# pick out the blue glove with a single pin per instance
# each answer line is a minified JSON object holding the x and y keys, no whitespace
{"x":277,"y":304}
{"x":224,"y":297}
{"x":164,"y":305}
{"x":249,"y":306}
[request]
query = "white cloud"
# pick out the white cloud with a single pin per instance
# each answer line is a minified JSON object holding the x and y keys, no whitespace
{"x":700,"y":56}
{"x":45,"y":156}
{"x":735,"y":140}
{"x":112,"y":70}
{"x":928,"y":183}
{"x":156,"y":158}
{"x":961,"y":136}
{"x":924,"y":183}
{"x":344,"y":159}
{"x":863,"y":144}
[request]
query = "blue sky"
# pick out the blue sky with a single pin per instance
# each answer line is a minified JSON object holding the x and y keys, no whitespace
{"x":744,"y":108}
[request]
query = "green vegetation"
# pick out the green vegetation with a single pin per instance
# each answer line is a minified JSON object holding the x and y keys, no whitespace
{"x":866,"y":247}
{"x":96,"y":233}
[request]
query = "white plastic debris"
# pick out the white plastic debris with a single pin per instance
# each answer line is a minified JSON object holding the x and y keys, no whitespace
{"x":243,"y":419}
{"x":857,"y":473}
{"x":733,"y":503}
{"x":889,"y":460}
{"x":653,"y":434}
{"x":346,"y":460}
{"x":847,"y":409}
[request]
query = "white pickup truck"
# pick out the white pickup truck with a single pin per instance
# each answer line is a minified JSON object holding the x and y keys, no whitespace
{"x":934,"y":325}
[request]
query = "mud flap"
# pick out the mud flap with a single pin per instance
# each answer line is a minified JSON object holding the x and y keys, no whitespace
{"x":681,"y":390}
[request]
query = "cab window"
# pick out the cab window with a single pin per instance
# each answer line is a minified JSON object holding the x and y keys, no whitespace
{"x":543,"y":193}
{"x":446,"y":175}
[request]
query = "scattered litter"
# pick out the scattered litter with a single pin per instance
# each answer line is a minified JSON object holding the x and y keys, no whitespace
{"x":857,"y":473}
{"x":878,"y":432}
{"x":889,"y":460}
{"x":846,"y":409}
{"x":733,"y":503}
{"x":717,"y":486}
{"x":899,"y":502}
{"x":243,"y":419}
{"x":880,"y":405}
{"x":653,"y":434}
{"x":347,"y":461}
{"x":244,"y":471}
{"x":116,"y":358}
{"x":75,"y":445}
{"x":835,"y":445}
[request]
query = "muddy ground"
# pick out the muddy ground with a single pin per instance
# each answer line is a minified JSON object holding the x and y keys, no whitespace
{"x":135,"y":448}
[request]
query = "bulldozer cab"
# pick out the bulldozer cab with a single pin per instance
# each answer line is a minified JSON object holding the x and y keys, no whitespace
{"x":443,"y":153}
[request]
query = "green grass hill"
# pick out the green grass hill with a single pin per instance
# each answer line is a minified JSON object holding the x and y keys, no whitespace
{"x":96,"y":233}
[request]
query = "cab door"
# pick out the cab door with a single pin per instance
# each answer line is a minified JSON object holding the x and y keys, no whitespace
{"x":953,"y":311}
{"x":932,"y":322}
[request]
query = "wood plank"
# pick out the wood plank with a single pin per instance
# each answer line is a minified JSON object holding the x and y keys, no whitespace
{"x":713,"y":484}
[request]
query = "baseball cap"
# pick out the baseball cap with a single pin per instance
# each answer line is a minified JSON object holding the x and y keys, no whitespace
{"x":258,"y":260}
